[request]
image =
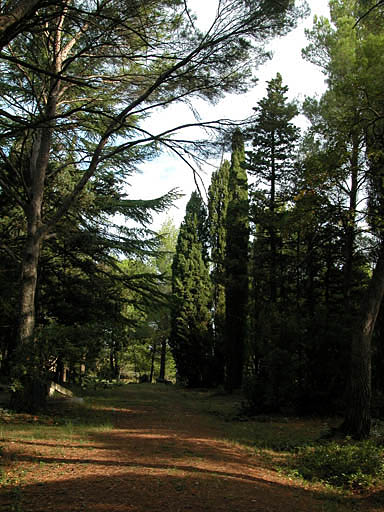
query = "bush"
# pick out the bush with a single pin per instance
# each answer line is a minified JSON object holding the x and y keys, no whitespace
{"x":352,"y":465}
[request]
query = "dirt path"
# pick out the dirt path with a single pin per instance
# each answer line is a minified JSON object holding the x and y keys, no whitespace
{"x":158,"y":458}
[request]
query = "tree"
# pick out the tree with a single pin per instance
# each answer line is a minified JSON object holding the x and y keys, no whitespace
{"x":236,"y":266}
{"x":218,"y":197}
{"x":271,"y":161}
{"x":160,"y":317}
{"x":191,"y":330}
{"x":17,"y":17}
{"x":77,"y":86}
{"x":348,"y":54}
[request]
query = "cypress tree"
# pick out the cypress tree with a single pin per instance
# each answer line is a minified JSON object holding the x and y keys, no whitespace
{"x":236,"y":266}
{"x":191,"y":332}
{"x":217,"y":209}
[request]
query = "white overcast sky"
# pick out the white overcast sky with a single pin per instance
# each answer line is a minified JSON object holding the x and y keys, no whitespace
{"x":302,"y":78}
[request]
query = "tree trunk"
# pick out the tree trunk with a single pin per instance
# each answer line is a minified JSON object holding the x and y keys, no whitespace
{"x":163,"y":358}
{"x":154,"y":350}
{"x":350,"y":227}
{"x":357,"y":421}
{"x":31,"y":397}
{"x":27,"y":372}
{"x":59,"y":374}
{"x":28,"y":281}
{"x":11,"y":23}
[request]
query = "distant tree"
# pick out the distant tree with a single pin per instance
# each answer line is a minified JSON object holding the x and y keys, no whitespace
{"x":236,"y":266}
{"x":191,"y":330}
{"x":160,"y":316}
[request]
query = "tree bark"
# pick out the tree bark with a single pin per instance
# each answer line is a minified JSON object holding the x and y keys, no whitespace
{"x":32,"y":394}
{"x":154,"y":351}
{"x":357,"y":420}
{"x":11,"y":24}
{"x":163,"y":356}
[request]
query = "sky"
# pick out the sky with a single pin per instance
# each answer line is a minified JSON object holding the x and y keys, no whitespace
{"x":302,"y":78}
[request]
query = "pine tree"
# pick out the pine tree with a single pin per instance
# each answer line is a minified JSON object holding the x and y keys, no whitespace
{"x":271,"y":162}
{"x":274,"y":137}
{"x":191,"y":332}
{"x":236,"y":266}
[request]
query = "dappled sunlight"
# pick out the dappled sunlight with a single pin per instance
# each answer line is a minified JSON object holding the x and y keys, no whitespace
{"x":151,"y":488}
{"x":154,"y":459}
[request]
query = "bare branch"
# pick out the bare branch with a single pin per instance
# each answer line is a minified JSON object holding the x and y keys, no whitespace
{"x":380,"y":2}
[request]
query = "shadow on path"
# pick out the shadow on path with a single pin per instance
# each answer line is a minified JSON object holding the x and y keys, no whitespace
{"x":154,"y":461}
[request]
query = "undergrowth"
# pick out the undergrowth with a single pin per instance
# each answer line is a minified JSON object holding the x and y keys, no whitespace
{"x":347,"y":464}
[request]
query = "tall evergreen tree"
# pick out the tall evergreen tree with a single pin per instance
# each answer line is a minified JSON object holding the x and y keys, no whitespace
{"x":271,"y":161}
{"x":218,"y":197}
{"x":236,"y":266}
{"x":191,"y":331}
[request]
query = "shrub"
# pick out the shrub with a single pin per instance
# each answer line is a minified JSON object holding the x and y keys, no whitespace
{"x":353,"y":465}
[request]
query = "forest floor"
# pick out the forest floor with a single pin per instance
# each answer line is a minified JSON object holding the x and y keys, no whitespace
{"x":155,"y":448}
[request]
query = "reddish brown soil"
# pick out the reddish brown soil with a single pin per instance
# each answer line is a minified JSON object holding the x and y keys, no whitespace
{"x":154,"y":460}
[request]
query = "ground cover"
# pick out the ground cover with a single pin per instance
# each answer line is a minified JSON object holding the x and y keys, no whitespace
{"x":156,"y":448}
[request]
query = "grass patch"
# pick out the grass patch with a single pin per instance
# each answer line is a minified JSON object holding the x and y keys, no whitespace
{"x":62,"y":421}
{"x":352,"y":465}
{"x":291,"y":445}
{"x":277,"y":433}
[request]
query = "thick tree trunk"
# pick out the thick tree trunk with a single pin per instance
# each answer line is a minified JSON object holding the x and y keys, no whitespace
{"x":32,"y":388}
{"x":31,"y":397}
{"x":357,"y":421}
{"x":28,"y":282}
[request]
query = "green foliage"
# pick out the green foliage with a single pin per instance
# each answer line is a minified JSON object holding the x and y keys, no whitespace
{"x":218,"y":198}
{"x":191,"y":331}
{"x":350,"y":465}
{"x":274,"y":347}
{"x":274,"y":138}
{"x":236,"y":266}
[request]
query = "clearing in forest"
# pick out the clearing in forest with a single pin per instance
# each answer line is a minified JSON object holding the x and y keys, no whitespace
{"x":154,"y":448}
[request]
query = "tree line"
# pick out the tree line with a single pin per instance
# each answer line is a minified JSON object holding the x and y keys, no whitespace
{"x":278,"y":283}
